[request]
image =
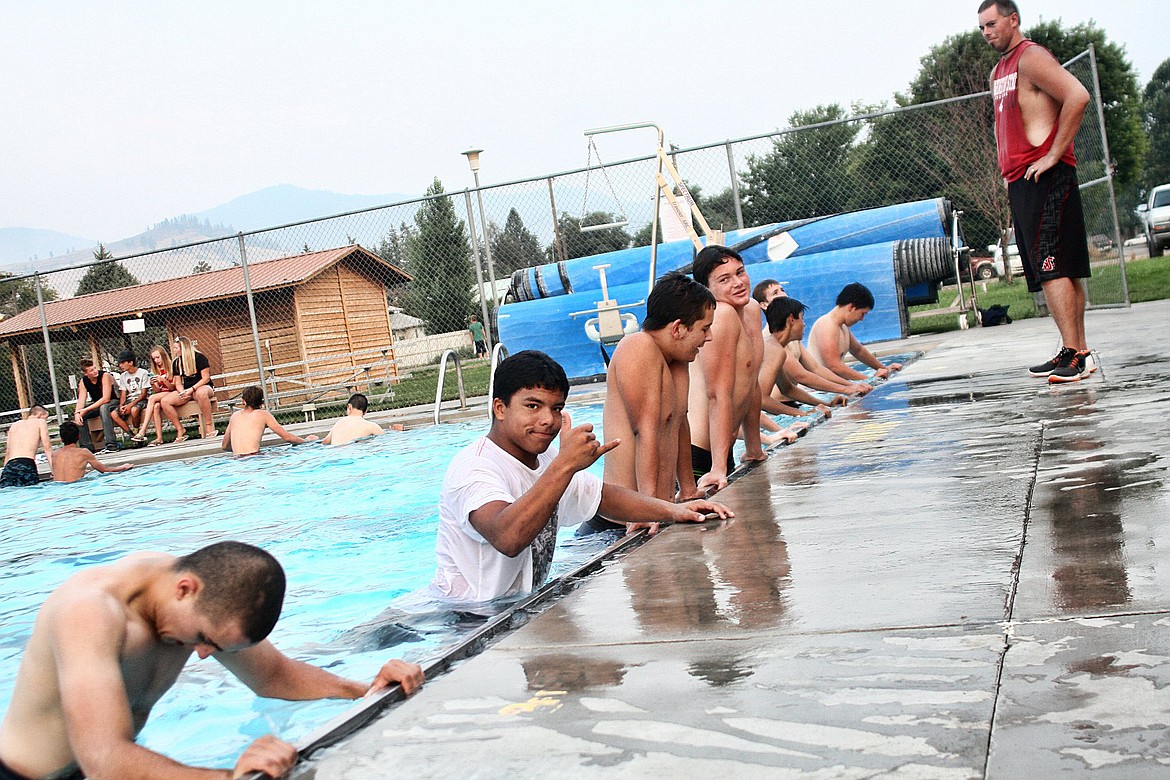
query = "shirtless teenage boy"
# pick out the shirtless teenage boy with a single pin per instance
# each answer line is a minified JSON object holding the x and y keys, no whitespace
{"x":725,"y":392}
{"x":70,"y":461}
{"x":785,"y":325}
{"x":246,"y":427}
{"x":354,"y":425}
{"x":111,"y":640}
{"x":647,"y":384}
{"x":831,"y":337}
{"x":24,"y":437}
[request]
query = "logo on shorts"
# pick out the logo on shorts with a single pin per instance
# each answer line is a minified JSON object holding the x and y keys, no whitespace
{"x":1049,"y":264}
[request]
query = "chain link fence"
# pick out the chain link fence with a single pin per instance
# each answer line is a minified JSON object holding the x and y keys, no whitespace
{"x":368,"y":301}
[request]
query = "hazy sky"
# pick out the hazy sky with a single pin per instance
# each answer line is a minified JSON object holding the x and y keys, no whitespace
{"x":119,"y":114}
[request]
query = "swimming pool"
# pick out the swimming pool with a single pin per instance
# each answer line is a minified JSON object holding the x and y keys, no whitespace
{"x":353,"y":526}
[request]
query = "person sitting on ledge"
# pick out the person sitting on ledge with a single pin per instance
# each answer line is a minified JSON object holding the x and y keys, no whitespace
{"x":505,"y":494}
{"x":247,"y":426}
{"x":110,"y":641}
{"x":831,"y":337}
{"x":70,"y":462}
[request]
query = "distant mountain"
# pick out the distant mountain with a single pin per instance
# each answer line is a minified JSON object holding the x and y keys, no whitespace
{"x":20,"y":245}
{"x":285,"y":203}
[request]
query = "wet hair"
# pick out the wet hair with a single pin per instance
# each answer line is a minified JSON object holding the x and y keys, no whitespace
{"x":711,"y":258}
{"x":1005,"y":7}
{"x":253,"y":397}
{"x":529,"y":368}
{"x":127,"y":356}
{"x":676,"y":296}
{"x":857,"y":294}
{"x":240,"y":582}
{"x":760,"y":291}
{"x":779,"y":310}
{"x":359,"y":402}
{"x":70,"y":432}
{"x":85,"y":363}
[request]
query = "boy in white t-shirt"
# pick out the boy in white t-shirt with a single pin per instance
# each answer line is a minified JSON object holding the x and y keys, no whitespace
{"x":133,"y":387}
{"x":505,"y":494}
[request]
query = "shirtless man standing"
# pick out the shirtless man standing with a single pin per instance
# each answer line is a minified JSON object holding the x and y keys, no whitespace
{"x":805,"y":370}
{"x":831,"y":337}
{"x":110,"y":641}
{"x":70,"y":462}
{"x":246,"y":427}
{"x":1038,"y":110}
{"x":785,"y":325}
{"x":24,"y":437}
{"x":725,"y":391}
{"x":354,"y":425}
{"x":646,"y":400}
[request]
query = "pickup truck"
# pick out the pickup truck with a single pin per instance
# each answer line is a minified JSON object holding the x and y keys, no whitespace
{"x":1155,"y":215}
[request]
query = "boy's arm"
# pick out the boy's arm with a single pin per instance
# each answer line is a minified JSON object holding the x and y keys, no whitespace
{"x":46,"y":443}
{"x":717,"y":361}
{"x":102,"y":468}
{"x":642,"y":397}
{"x":684,"y":468}
{"x":107,"y":389}
{"x":809,"y":372}
{"x":226,"y":443}
{"x":272,"y":674}
{"x":279,"y":430}
{"x":630,"y":506}
{"x":865,"y":356}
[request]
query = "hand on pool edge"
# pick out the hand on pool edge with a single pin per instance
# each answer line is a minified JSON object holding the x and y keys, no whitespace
{"x":409,"y":676}
{"x":700,"y":510}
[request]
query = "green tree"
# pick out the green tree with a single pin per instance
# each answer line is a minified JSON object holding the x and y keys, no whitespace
{"x":201,"y":267}
{"x":514,"y":247}
{"x":105,"y":274}
{"x":807,"y":173}
{"x":580,"y":243}
{"x":392,"y":246}
{"x":21,"y":294}
{"x":1156,"y":118}
{"x":718,"y":210}
{"x":439,"y":259}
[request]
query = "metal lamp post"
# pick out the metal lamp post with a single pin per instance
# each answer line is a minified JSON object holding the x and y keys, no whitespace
{"x":472,"y":156}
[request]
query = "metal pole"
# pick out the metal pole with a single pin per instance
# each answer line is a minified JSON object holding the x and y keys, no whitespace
{"x":252,"y":316}
{"x":1109,"y":174}
{"x":657,"y":195}
{"x":487,"y":245}
{"x":487,"y":323}
{"x":48,"y":350}
{"x":734,"y":186}
{"x":558,"y":244}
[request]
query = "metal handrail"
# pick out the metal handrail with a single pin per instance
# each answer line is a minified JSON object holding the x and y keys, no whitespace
{"x":442,"y":379}
{"x":496,"y":350}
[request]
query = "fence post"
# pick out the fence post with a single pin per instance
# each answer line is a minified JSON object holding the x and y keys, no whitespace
{"x":559,"y":251}
{"x":487,"y":248}
{"x":1109,"y":173}
{"x":487,"y":323}
{"x":252,"y":317}
{"x":734,"y":186}
{"x":48,"y":349}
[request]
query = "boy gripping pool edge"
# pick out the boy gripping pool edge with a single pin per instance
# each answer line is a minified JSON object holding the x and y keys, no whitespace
{"x":505,"y":494}
{"x":111,"y":640}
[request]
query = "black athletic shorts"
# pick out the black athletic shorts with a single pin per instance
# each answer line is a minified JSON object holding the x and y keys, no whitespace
{"x":19,"y":472}
{"x":8,"y":774}
{"x":701,"y":461}
{"x":1050,"y":226}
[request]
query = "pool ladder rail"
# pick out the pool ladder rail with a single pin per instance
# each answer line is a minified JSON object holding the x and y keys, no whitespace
{"x":497,"y":351}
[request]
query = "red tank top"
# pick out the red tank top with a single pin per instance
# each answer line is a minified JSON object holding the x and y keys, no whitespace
{"x":1016,"y":153}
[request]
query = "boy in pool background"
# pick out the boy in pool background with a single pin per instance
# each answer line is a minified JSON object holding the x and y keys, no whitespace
{"x":647,"y":383}
{"x":133,"y":388}
{"x":20,"y":451}
{"x":786,"y":325}
{"x":354,"y":424}
{"x":725,"y":391}
{"x":806,"y":369}
{"x":70,"y":461}
{"x":246,"y":427}
{"x":831,"y":337}
{"x":110,"y":641}
{"x":505,"y":494}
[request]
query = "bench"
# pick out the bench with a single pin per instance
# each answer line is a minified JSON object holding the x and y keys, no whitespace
{"x":191,"y":409}
{"x":97,"y":433}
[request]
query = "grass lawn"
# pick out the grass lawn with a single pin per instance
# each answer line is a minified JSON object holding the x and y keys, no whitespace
{"x":1148,"y":280}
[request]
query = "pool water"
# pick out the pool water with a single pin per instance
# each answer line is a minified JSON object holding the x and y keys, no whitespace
{"x":353,"y":526}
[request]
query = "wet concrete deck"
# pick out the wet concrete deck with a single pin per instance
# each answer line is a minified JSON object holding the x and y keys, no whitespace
{"x":963,"y":575}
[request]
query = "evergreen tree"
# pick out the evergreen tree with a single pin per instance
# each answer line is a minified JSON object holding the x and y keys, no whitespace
{"x":20,"y":295}
{"x":514,"y":247}
{"x":201,"y":267}
{"x":105,"y":274}
{"x":1156,"y":118}
{"x":594,"y":242}
{"x":392,"y":246}
{"x":439,"y":259}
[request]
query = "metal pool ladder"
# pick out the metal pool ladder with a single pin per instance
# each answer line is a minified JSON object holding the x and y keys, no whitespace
{"x":497,"y":350}
{"x":442,"y":379}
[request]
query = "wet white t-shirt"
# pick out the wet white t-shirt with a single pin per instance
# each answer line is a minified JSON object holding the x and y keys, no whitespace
{"x":469,"y":568}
